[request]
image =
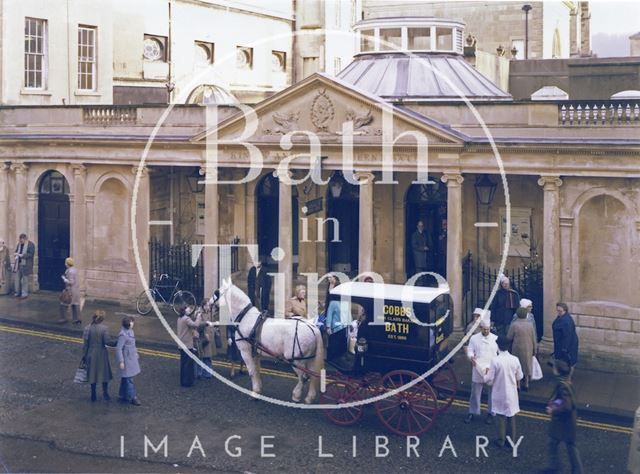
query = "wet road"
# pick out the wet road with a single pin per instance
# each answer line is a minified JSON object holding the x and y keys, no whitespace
{"x":48,"y":424}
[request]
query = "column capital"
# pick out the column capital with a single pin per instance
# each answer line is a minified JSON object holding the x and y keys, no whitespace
{"x":452,"y":179}
{"x":79,"y":170}
{"x":6,"y":166}
{"x":283,"y":175}
{"x":364,"y":177}
{"x":19,"y":168}
{"x":550,"y":183}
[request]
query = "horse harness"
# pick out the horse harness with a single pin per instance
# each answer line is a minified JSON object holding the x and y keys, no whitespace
{"x":254,"y":337}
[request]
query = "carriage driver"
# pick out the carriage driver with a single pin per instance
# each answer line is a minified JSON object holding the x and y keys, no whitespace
{"x":481,"y":350}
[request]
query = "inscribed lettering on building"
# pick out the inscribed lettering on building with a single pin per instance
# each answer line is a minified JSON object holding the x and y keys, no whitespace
{"x":520,"y":232}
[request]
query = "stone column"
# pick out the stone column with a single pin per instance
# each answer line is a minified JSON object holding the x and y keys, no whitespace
{"x":454,"y":244}
{"x":285,"y":235}
{"x":142,"y":209}
{"x":21,"y":205}
{"x":574,"y":49}
{"x":79,"y":225}
{"x":4,"y":204}
{"x":398,"y":222}
{"x":211,"y":218}
{"x":366,"y":237}
{"x":551,"y":252}
{"x":585,"y":30}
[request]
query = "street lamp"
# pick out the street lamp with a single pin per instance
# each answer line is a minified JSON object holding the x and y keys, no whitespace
{"x":485,"y":190}
{"x":336,"y":186}
{"x":195,"y":182}
{"x":526,"y":9}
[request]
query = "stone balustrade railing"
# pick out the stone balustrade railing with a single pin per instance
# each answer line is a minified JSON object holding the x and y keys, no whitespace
{"x":599,"y":113}
{"x":109,"y":115}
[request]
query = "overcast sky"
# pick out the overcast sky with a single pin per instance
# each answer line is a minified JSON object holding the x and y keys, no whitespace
{"x":615,"y":17}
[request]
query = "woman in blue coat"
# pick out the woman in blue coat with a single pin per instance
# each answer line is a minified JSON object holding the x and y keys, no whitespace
{"x":127,"y":358}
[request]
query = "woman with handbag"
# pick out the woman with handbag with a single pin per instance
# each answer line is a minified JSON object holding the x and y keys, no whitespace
{"x":96,"y":338}
{"x":71,"y":294}
{"x":128,"y":365}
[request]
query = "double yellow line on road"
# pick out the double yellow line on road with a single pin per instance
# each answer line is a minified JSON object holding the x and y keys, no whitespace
{"x":278,"y":373}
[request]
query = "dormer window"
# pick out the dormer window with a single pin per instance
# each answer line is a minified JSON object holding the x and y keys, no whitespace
{"x":419,"y":39}
{"x":367,"y":40}
{"x":390,"y":39}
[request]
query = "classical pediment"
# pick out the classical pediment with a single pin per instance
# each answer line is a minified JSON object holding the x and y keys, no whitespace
{"x":331,"y":110}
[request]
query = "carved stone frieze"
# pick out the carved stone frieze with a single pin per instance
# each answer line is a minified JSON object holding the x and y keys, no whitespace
{"x":283,"y":123}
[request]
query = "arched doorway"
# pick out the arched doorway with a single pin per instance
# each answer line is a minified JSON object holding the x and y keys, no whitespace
{"x":53,"y":230}
{"x":343,"y":206}
{"x":268,"y":199}
{"x":427,"y":203}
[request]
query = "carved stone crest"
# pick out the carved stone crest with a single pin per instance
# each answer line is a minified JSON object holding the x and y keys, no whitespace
{"x":359,"y":121}
{"x":284,"y":123}
{"x":322,"y":111}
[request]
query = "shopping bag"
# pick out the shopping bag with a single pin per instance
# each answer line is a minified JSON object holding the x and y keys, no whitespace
{"x":81,"y":374}
{"x":536,"y":370}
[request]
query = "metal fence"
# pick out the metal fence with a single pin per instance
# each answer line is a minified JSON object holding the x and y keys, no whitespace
{"x":176,"y":261}
{"x":478,"y":281}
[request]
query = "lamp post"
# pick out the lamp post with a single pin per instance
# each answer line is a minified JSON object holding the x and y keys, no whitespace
{"x":485,"y":191}
{"x":526,"y":9}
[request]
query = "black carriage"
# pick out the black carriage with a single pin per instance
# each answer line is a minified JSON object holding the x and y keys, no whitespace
{"x":402,"y":335}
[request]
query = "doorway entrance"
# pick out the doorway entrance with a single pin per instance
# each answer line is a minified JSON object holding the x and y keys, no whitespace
{"x":427,"y":203}
{"x":268,"y":199}
{"x":343,"y":206}
{"x":53,"y":230}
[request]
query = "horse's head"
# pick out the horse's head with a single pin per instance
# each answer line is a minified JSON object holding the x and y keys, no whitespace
{"x":230,"y":296}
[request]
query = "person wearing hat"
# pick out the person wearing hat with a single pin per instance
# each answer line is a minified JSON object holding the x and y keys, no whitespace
{"x":562,"y":429}
{"x":481,"y":351}
{"x":523,"y":344}
{"x":477,"y":314}
{"x":504,"y":305}
{"x":528,"y":305}
{"x":72,"y":284}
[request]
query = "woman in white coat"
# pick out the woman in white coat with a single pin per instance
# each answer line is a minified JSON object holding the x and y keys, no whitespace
{"x":504,"y":374}
{"x":481,"y":351}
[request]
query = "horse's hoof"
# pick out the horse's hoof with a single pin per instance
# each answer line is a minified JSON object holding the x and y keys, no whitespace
{"x":254,"y":396}
{"x":296,"y":400}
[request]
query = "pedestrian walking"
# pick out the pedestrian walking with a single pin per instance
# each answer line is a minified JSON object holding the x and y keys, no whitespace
{"x":504,"y":373}
{"x":504,"y":306}
{"x":481,"y":351}
{"x":72,"y":284}
{"x":128,"y":364}
{"x":96,"y":339}
{"x":528,"y":305}
{"x":5,"y":268}
{"x":523,"y":345}
{"x":23,"y":266}
{"x":565,"y":338}
{"x":185,"y":330}
{"x":562,"y":429}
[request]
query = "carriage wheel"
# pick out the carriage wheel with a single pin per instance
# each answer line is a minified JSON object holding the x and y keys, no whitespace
{"x":337,"y":393}
{"x":411,"y":411}
{"x":445,"y":384}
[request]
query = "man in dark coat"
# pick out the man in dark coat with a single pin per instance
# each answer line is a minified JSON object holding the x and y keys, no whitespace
{"x":96,"y":339}
{"x":562,"y":408}
{"x":505,"y":304}
{"x":23,"y":265}
{"x":565,"y":338}
{"x":420,"y":245}
{"x":259,"y":286}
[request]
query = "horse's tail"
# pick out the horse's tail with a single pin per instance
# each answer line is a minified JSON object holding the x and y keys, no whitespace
{"x":317,"y":363}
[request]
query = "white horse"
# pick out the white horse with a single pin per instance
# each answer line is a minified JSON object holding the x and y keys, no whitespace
{"x":295,"y":340}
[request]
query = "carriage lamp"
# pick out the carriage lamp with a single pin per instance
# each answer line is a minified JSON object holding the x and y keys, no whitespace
{"x":361,"y":345}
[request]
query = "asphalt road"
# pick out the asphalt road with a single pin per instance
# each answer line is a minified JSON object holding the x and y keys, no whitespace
{"x":48,"y":424}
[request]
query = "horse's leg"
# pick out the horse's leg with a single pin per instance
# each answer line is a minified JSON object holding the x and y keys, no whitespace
{"x":296,"y":396}
{"x":253,"y":369}
{"x":313,"y":386}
